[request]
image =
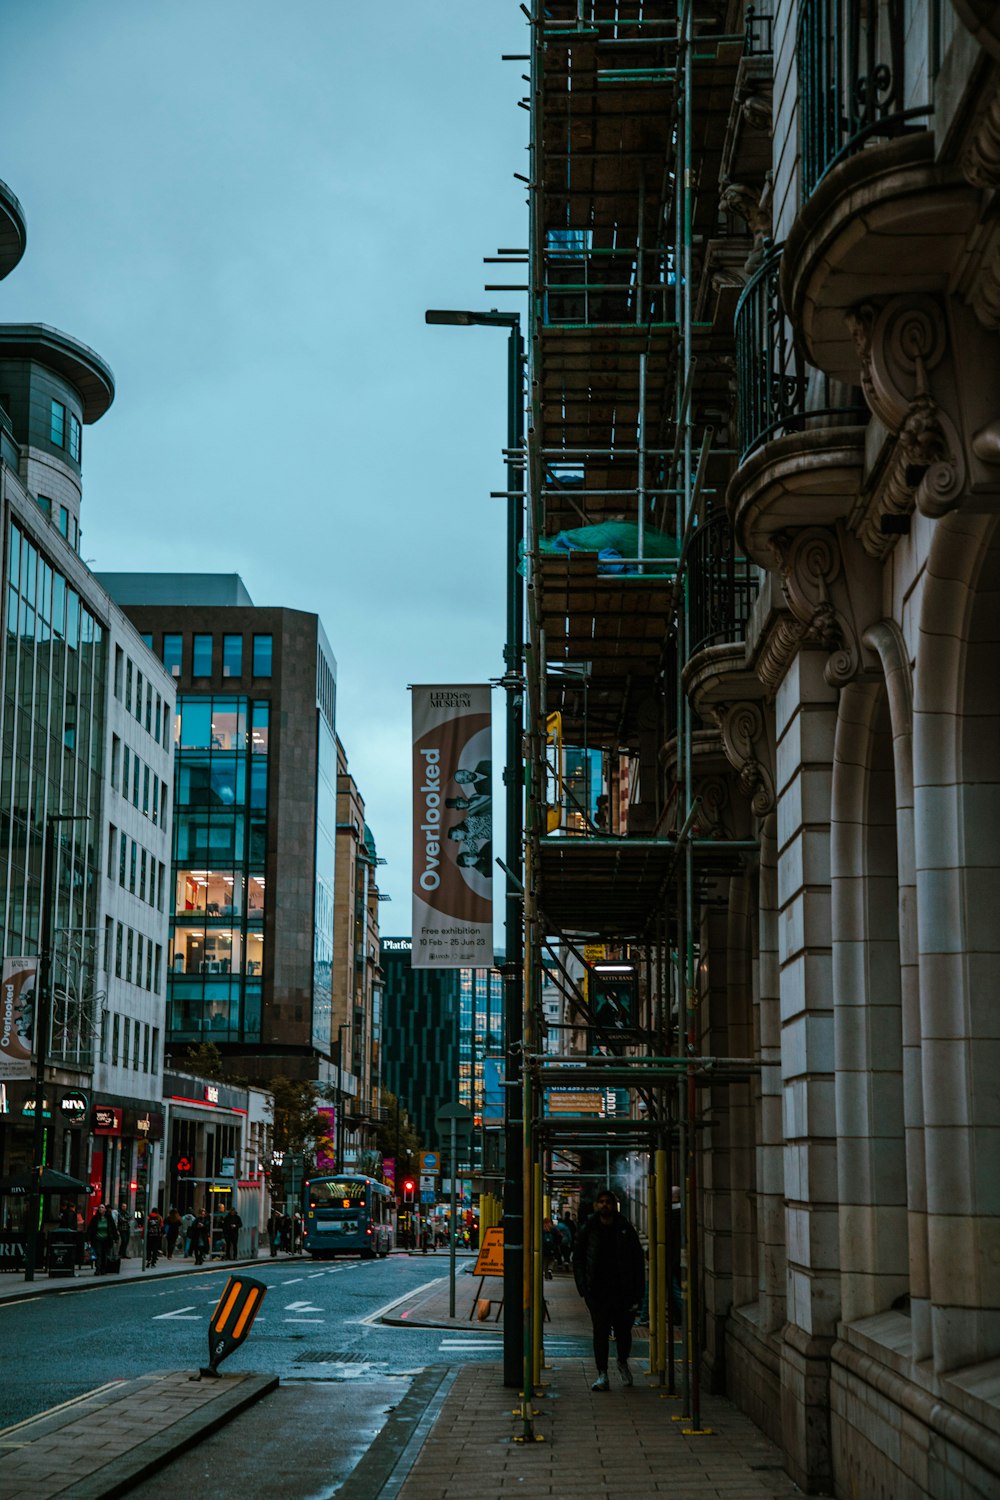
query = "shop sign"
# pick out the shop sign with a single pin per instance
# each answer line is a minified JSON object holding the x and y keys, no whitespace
{"x":28,"y":1109}
{"x":73,"y":1105}
{"x":149,"y":1125}
{"x":211,"y":1093}
{"x":107,"y":1119}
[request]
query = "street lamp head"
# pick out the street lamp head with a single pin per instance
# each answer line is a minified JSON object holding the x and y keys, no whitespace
{"x":461,"y":319}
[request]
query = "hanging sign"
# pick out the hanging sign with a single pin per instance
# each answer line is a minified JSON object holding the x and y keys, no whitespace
{"x":17,"y":1016}
{"x":452,"y":828}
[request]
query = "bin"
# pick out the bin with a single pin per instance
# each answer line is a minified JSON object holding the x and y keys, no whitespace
{"x":61,"y":1254}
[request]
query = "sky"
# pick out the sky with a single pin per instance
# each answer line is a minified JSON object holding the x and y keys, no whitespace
{"x":245,"y":209}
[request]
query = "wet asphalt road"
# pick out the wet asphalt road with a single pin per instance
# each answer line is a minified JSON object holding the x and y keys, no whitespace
{"x":319,"y":1321}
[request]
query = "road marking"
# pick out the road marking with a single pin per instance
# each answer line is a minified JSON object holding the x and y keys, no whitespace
{"x":301,"y":1307}
{"x":292,"y":1280}
{"x":468,"y":1344}
{"x":180,"y":1312}
{"x":380,"y":1312}
{"x":312,"y":1275}
{"x":305,"y":1320}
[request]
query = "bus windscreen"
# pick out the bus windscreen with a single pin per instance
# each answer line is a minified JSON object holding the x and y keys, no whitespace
{"x":337,"y":1194}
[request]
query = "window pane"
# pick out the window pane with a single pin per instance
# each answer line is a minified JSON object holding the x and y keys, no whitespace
{"x":172,"y":654}
{"x":196,"y":724}
{"x":148,"y":640}
{"x":201,"y":661}
{"x":57,"y":424}
{"x":232,"y":656}
{"x":262,"y":655}
{"x":74,"y":438}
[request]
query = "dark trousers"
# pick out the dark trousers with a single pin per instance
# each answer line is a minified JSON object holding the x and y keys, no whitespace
{"x":608,"y":1318}
{"x":230,"y":1245}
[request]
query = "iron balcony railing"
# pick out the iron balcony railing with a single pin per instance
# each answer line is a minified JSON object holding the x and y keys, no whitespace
{"x":852,"y":60}
{"x":775,"y":390}
{"x":721,"y":585}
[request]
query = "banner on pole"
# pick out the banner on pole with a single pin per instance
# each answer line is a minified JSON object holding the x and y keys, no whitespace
{"x":17,"y":1017}
{"x":452,"y":828}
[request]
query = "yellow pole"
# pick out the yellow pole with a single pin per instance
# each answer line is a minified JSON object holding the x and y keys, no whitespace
{"x":538,"y":1267}
{"x":654,"y":1316}
{"x":662,"y":1290}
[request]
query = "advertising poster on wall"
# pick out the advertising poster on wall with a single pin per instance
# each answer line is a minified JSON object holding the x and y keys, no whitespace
{"x":17,"y":1017}
{"x":452,"y":828}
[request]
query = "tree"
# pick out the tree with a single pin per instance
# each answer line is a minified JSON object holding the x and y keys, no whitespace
{"x":388,"y":1137}
{"x":205,"y":1060}
{"x":297,"y":1122}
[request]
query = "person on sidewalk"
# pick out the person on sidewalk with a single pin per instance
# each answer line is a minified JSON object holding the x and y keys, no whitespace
{"x":199,"y":1237}
{"x":231,"y":1226}
{"x":610,"y":1273}
{"x":124,"y":1230}
{"x":172,"y":1229}
{"x":102,"y":1236}
{"x":154,"y":1238}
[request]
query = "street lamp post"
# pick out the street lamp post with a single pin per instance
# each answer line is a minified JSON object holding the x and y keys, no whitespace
{"x":43,"y":1010}
{"x":513,"y":1187}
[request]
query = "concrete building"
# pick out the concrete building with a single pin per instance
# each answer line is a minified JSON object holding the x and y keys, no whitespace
{"x":253,"y":874}
{"x":357,"y":976}
{"x":764,"y":353}
{"x":84,"y":716}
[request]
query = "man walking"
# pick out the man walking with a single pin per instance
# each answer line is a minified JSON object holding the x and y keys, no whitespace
{"x":610,"y":1272}
{"x":231,"y":1226}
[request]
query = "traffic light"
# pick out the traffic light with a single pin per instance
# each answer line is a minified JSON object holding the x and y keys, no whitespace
{"x":409,"y":1187}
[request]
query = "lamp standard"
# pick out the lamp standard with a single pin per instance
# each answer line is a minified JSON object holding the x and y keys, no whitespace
{"x":339,"y":1133}
{"x":43,"y":1010}
{"x":513,"y":1187}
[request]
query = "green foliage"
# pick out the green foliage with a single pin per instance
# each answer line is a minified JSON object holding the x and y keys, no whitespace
{"x":204,"y":1061}
{"x":409,"y":1142}
{"x":296,"y":1120}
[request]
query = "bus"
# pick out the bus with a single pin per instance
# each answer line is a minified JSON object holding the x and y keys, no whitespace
{"x":347,"y":1216}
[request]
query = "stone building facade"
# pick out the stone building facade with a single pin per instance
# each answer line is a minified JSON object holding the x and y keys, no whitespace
{"x":765,"y":275}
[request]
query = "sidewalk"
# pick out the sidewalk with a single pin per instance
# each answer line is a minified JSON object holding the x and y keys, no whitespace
{"x":112,"y":1439}
{"x":592,"y":1446}
{"x":14,"y":1288}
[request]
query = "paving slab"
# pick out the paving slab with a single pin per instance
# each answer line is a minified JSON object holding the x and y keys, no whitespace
{"x":104,"y":1443}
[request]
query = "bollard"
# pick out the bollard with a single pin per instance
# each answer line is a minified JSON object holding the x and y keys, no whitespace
{"x":232,"y":1319}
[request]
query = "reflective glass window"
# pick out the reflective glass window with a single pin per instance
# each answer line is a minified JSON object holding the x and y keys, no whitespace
{"x":74,"y":437}
{"x":201,"y":656}
{"x":172,"y":654}
{"x":258,"y":733}
{"x":232,"y":656}
{"x":148,"y":640}
{"x":196,"y":724}
{"x":262,"y":653}
{"x":64,"y":521}
{"x":57,"y":424}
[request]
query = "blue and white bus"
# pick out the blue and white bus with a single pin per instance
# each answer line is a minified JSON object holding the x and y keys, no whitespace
{"x":347,"y":1216}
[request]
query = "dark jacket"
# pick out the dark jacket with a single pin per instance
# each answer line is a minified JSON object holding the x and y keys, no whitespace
{"x":623,"y":1280}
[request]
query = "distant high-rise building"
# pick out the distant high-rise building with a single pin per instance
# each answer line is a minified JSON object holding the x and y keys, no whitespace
{"x":253,"y":874}
{"x":437,"y":1027}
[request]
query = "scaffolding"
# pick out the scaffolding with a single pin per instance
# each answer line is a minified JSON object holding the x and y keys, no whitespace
{"x":640,"y":232}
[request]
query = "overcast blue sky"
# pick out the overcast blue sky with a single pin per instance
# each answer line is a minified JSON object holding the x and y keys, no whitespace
{"x":245,"y":209}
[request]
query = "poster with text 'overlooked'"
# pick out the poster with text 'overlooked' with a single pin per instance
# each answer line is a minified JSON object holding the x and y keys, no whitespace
{"x":452,"y":828}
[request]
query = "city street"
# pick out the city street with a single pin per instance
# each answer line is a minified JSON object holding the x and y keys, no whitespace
{"x":320,"y":1322}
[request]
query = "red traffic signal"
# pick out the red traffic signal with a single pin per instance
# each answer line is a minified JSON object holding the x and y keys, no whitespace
{"x":408,"y":1189}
